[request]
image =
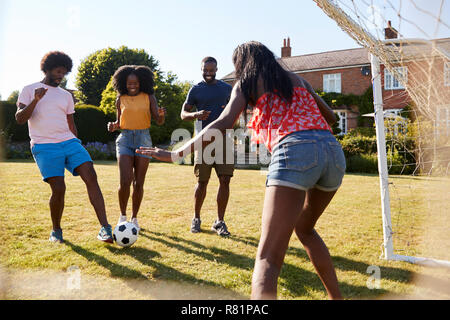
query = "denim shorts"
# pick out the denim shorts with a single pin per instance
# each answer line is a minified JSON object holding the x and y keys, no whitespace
{"x":53,"y":158}
{"x":130,"y":140}
{"x":307,"y":159}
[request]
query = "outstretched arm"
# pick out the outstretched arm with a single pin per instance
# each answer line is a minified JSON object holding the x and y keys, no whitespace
{"x":225,"y":121}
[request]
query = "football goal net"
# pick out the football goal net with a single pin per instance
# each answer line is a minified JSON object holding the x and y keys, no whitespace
{"x":409,"y":46}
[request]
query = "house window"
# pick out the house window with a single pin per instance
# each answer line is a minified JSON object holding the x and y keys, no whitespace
{"x":443,"y":120}
{"x":342,"y":122}
{"x":447,"y":73}
{"x":332,"y":82}
{"x":391,"y":83}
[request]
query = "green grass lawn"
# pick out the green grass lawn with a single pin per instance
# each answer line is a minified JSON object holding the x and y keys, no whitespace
{"x":169,"y":262}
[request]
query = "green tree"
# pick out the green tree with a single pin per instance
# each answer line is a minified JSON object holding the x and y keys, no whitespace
{"x":13,"y":96}
{"x":96,"y":70}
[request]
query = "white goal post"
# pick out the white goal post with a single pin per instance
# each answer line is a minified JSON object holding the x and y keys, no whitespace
{"x":381,"y":53}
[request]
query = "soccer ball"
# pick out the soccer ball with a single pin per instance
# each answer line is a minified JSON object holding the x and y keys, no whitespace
{"x":125,"y":234}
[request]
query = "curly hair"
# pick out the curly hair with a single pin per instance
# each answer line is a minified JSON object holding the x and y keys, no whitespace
{"x":252,"y":61}
{"x":55,"y":59}
{"x":143,"y":73}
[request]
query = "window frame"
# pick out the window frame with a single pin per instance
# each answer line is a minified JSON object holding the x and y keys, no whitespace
{"x":391,"y":83}
{"x":328,"y":77}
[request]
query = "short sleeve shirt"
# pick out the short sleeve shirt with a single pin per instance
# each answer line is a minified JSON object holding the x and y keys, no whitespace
{"x":210,"y":97}
{"x":48,"y":122}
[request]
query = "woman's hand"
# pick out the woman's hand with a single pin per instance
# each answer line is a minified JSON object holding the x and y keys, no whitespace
{"x":157,"y":153}
{"x":113,"y":126}
{"x":162,"y":112}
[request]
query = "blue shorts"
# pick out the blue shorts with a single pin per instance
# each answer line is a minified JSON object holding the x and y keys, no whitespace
{"x":53,"y":158}
{"x":307,"y":159}
{"x":130,"y":140}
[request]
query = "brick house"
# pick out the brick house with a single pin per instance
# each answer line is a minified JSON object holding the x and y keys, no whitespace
{"x":348,"y":72}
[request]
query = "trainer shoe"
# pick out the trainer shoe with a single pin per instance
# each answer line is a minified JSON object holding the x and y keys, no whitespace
{"x":122,"y":218}
{"x":195,"y":225}
{"x":220,"y":227}
{"x":56,"y":236}
{"x":135,"y":222}
{"x":105,"y":234}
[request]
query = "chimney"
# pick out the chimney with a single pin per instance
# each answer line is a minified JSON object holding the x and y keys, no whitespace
{"x":389,"y":32}
{"x":286,"y":50}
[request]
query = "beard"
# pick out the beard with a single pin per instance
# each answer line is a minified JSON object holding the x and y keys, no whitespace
{"x":209,"y":79}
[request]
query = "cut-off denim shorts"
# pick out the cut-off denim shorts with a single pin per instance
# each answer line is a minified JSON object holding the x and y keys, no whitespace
{"x":130,"y":140}
{"x":307,"y":159}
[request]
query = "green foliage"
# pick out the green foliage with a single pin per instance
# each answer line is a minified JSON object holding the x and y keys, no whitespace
{"x":96,"y":70}
{"x":361,"y":131}
{"x":9,"y":128}
{"x":108,"y":102}
{"x":335,"y":126}
{"x":13,"y":96}
{"x":171,"y":95}
{"x":364,"y":103}
{"x":362,"y":163}
{"x":356,"y":145}
{"x":91,"y":124}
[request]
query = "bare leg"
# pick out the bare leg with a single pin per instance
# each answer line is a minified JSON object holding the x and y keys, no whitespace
{"x":89,"y":176}
{"x":315,"y":204}
{"x":199,"y":197}
{"x":140,"y":170}
{"x":56,"y":201}
{"x":223,"y":194}
{"x":126,"y":178}
{"x":282,"y":206}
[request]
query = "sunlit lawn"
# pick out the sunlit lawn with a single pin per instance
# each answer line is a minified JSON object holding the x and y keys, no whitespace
{"x":169,"y":262}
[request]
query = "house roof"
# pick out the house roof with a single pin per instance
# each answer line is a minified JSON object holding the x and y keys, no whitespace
{"x":408,"y":49}
{"x":323,"y":60}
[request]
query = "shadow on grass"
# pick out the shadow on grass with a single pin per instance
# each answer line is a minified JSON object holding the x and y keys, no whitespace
{"x":292,"y":277}
{"x":116,"y":270}
{"x":145,"y":257}
{"x":298,"y":281}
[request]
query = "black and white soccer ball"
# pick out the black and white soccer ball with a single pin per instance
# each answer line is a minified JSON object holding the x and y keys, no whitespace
{"x":125,"y":234}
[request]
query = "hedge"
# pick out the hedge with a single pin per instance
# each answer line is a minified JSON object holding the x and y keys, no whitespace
{"x":9,"y":128}
{"x":91,"y":123}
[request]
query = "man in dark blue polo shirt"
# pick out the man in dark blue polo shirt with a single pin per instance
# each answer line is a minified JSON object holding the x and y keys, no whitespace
{"x":209,"y":98}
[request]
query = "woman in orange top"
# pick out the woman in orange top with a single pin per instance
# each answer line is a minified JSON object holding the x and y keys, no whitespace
{"x":136,"y":103}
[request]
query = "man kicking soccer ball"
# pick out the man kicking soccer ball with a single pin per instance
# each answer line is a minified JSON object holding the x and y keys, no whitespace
{"x":49,"y":111}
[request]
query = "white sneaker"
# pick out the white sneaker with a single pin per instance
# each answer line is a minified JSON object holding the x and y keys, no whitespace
{"x":135,"y":222}
{"x":122,"y":218}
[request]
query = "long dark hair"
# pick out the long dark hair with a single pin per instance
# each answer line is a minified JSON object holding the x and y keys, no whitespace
{"x":143,"y":73}
{"x":252,"y":61}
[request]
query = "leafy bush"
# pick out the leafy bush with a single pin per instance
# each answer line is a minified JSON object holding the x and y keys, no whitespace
{"x":91,"y":124}
{"x":108,"y":102}
{"x":17,"y":150}
{"x":362,"y":163}
{"x":10,"y":129}
{"x":356,"y":145}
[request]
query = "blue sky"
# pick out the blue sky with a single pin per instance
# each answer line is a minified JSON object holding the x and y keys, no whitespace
{"x":177,"y":33}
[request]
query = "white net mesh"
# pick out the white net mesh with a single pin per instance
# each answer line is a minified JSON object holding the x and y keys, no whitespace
{"x":411,"y":39}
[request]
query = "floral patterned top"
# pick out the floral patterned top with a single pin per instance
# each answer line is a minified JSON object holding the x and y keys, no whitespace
{"x":274,"y":119}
